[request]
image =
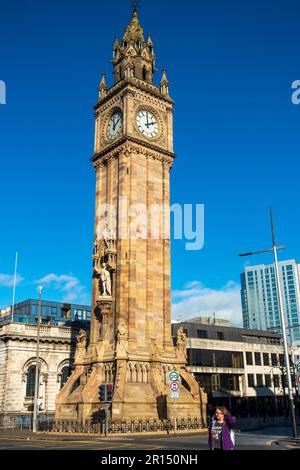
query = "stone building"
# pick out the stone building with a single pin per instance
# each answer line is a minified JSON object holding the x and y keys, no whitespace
{"x":18,"y":345}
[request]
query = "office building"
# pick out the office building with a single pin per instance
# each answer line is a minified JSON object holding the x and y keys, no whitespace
{"x":240,"y":368}
{"x":260,"y":301}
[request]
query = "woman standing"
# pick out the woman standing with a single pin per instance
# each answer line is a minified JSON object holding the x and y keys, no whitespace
{"x":221,"y":436}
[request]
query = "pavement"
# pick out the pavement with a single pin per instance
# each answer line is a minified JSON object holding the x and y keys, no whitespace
{"x":29,"y":435}
{"x":275,"y":439}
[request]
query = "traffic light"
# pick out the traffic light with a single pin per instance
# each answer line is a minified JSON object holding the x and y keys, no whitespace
{"x":102,"y":394}
{"x":109,"y":393}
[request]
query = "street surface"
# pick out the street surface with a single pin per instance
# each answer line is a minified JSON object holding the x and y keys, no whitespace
{"x":266,"y":439}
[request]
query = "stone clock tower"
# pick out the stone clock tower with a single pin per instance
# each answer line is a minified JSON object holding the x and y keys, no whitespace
{"x":130,"y":343}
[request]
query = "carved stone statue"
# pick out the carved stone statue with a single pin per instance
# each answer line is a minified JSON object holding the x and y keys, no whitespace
{"x":122,"y":333}
{"x":105,"y":281}
{"x":181,"y":343}
{"x":122,"y":339}
{"x":80,"y":345}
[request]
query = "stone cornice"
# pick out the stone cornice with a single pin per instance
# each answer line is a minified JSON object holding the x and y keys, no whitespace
{"x":137,"y":84}
{"x":128,"y":145}
{"x":43,"y":339}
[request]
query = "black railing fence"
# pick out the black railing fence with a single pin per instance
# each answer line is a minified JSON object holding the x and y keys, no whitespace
{"x":132,"y":426}
{"x":48,"y":424}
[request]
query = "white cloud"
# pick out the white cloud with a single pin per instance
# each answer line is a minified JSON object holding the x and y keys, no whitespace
{"x":7,"y":280}
{"x":196,"y":300}
{"x":70,"y":287}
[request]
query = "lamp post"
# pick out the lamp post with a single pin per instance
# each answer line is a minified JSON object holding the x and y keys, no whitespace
{"x":37,"y":375}
{"x":282,"y":318}
{"x":14,"y":289}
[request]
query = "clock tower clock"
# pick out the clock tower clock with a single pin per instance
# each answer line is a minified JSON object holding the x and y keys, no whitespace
{"x":130,"y":342}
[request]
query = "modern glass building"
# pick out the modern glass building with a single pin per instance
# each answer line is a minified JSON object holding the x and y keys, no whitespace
{"x":260,"y":300}
{"x":52,"y":313}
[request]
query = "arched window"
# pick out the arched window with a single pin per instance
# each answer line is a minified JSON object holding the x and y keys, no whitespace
{"x":30,"y":385}
{"x":65,"y":374}
{"x":144,"y":73}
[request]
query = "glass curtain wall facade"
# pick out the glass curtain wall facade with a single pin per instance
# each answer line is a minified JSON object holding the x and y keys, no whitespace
{"x":260,"y":301}
{"x":52,"y":313}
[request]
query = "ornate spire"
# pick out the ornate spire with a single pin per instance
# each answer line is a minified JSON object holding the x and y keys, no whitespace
{"x":134,"y":57}
{"x":164,"y":84}
{"x":134,"y":30}
{"x":102,"y":87}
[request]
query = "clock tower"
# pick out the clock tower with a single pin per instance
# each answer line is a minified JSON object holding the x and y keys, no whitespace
{"x":130,"y":344}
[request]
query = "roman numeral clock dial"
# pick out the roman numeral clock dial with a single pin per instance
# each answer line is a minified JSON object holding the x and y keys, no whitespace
{"x":147,"y":124}
{"x":114,"y":125}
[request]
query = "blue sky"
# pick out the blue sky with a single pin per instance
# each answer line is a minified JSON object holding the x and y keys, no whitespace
{"x":230,"y":65}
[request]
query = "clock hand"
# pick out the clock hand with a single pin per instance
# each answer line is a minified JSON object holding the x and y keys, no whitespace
{"x":114,"y":124}
{"x":147,"y":120}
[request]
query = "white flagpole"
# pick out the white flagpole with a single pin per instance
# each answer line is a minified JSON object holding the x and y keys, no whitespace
{"x":14,"y":288}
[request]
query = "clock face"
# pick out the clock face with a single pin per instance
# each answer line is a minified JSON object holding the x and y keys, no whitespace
{"x":114,"y":125}
{"x":147,"y":124}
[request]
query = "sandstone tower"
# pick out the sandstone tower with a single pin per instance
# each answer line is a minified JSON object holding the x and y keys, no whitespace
{"x":130,"y":343}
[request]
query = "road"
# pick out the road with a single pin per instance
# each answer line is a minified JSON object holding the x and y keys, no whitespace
{"x":256,"y":440}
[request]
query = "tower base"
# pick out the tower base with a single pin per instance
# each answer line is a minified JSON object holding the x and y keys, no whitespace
{"x":141,"y":391}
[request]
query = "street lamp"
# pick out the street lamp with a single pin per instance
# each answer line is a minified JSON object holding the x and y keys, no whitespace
{"x":37,"y":378}
{"x":282,"y":318}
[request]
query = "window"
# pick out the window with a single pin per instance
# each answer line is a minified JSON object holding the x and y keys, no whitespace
{"x":281,"y":359}
{"x":249,"y":358}
{"x":251,"y":380}
{"x":220,"y":335}
{"x":268,"y":380}
{"x":215,"y":382}
{"x":257,"y":356}
{"x":284,"y":381}
{"x":276,"y":381}
{"x":30,"y":385}
{"x":65,"y":374}
{"x":144,"y":73}
{"x":237,"y":360}
{"x":202,"y":334}
{"x":259,"y":380}
{"x":274,"y":359}
{"x":266,"y":359}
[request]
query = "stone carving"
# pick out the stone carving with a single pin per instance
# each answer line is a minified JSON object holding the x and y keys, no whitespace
{"x":181,"y":344}
{"x":105,"y":281}
{"x":122,"y":332}
{"x":122,"y":339}
{"x":138,"y":372}
{"x":80,"y":345}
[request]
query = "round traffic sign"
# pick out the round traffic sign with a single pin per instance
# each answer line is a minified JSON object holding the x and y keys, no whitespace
{"x":298,"y":367}
{"x":174,"y":386}
{"x":298,"y":378}
{"x":174,"y":376}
